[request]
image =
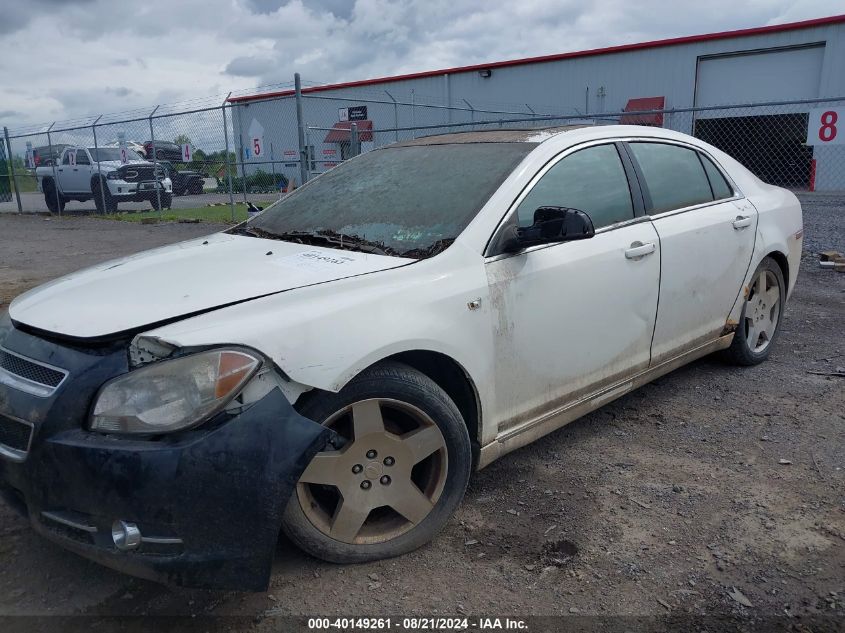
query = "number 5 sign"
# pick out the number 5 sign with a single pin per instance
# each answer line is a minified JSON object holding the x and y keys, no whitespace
{"x":257,"y":146}
{"x":826,"y":127}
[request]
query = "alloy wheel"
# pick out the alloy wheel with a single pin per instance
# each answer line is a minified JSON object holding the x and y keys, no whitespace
{"x":385,"y":480}
{"x":762,"y":311}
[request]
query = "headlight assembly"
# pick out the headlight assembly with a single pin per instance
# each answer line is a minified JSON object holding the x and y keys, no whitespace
{"x":172,"y":395}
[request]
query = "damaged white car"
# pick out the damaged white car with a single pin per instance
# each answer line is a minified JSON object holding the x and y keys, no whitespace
{"x":337,"y":366}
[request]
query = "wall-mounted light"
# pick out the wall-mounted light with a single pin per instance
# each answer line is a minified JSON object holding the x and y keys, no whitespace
{"x":485,"y":73}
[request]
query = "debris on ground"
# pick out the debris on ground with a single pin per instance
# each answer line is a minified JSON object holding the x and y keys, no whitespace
{"x":737,"y":595}
{"x":832,"y":260}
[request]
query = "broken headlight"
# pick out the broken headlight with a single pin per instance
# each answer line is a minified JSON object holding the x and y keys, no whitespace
{"x":172,"y":395}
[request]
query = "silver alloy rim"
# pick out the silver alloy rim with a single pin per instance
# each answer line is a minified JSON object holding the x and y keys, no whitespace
{"x":762,"y":311}
{"x":385,"y":481}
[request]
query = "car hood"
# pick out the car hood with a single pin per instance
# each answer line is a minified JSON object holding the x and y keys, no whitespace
{"x":116,"y":164}
{"x":183,"y":279}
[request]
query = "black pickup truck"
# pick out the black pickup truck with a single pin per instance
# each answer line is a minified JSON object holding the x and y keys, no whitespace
{"x":185,"y":181}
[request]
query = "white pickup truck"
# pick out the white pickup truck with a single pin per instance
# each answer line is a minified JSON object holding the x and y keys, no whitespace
{"x":98,"y":173}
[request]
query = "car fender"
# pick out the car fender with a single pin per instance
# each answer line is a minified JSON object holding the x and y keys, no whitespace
{"x":324,"y":335}
{"x":779,"y":230}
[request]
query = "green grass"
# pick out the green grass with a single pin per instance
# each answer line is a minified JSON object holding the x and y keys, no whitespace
{"x":221,"y":215}
{"x":27,"y":184}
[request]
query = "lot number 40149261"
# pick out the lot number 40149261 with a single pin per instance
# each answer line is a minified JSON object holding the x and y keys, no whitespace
{"x":826,"y":127}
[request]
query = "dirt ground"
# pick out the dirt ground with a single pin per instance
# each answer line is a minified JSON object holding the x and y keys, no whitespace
{"x":713,"y":491}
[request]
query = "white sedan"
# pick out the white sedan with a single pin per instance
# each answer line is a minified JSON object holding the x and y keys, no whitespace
{"x":337,"y":366}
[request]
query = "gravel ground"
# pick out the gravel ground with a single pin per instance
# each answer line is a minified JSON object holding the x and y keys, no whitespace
{"x":824,"y":221}
{"x":672,"y":501}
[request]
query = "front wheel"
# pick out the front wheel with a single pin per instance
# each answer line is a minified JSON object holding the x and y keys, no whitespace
{"x":103,"y":199}
{"x":394,"y":484}
{"x":761,"y":315}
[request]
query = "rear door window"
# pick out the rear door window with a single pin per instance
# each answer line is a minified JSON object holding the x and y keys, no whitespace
{"x":721,"y":188}
{"x":674,"y":176}
{"x":592,"y":180}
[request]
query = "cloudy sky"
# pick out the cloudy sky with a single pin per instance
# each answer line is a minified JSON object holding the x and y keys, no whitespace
{"x":62,"y":59}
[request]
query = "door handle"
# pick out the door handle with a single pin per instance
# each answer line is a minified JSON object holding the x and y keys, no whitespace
{"x":639,"y":250}
{"x":742,"y":221}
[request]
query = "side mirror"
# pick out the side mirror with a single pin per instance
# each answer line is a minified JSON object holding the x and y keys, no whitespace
{"x":551,"y":225}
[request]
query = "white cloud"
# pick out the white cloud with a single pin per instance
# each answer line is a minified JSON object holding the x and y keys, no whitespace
{"x":69,"y":59}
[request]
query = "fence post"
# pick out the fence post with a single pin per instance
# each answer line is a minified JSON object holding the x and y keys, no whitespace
{"x":155,"y":160}
{"x":228,"y":169}
{"x":99,"y":171}
{"x":241,"y":154}
{"x":308,"y":153}
{"x":273,"y":164}
{"x":354,"y":140}
{"x":471,"y":111}
{"x":395,"y":116}
{"x":12,"y":168}
{"x":413,"y":115}
{"x":303,"y":171}
{"x":53,"y":164}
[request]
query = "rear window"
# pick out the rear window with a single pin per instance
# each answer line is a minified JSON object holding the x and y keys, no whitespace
{"x":674,"y":176}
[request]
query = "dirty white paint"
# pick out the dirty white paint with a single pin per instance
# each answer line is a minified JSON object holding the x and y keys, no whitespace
{"x":557,"y":323}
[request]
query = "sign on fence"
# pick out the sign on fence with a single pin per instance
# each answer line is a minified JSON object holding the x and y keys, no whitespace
{"x":121,"y":143}
{"x":826,"y":127}
{"x":187,"y":154}
{"x":30,"y":156}
{"x":352,"y":113}
{"x":257,"y":146}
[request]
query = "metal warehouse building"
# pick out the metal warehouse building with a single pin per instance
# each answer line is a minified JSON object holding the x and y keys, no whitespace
{"x":751,"y":92}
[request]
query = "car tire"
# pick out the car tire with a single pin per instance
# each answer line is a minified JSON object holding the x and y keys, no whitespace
{"x":195,"y":188}
{"x":166,"y":201}
{"x":55,"y":202}
{"x":103,"y":199}
{"x":391,"y":416}
{"x":761,"y":315}
{"x":160,"y":154}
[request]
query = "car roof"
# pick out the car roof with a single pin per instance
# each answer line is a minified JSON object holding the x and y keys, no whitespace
{"x":511,"y":135}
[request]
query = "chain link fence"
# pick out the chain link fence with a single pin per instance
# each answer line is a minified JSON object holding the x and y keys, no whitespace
{"x":210,"y":161}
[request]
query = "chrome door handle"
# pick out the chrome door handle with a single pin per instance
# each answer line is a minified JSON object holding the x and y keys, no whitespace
{"x":639,"y":250}
{"x":742,"y":221}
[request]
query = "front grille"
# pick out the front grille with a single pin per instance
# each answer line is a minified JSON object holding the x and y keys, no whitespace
{"x":135,"y":173}
{"x":30,"y":370}
{"x":15,"y":434}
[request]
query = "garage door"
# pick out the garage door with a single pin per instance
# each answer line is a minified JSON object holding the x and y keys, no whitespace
{"x":777,"y":75}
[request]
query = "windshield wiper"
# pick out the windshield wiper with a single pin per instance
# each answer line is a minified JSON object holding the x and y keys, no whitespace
{"x":344,"y":241}
{"x":355,"y":241}
{"x":324,"y":237}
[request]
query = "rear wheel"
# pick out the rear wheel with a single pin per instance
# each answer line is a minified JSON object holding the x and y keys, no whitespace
{"x":103,"y":200}
{"x":54,"y":200}
{"x":195,"y":188}
{"x":761,"y":315}
{"x":162,"y":201}
{"x":393,"y":486}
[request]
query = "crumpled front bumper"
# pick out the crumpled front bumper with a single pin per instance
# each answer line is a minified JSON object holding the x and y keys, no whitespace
{"x":208,"y":502}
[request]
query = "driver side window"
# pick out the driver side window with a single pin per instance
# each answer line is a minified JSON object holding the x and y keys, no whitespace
{"x":592,"y":180}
